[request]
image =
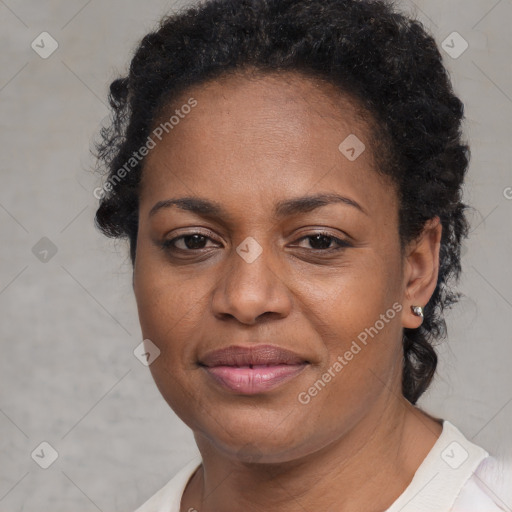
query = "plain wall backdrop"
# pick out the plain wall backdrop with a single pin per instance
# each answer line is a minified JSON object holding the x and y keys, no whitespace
{"x":69,"y":325}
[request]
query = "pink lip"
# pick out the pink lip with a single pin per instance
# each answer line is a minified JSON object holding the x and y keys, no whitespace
{"x":257,"y":379}
{"x":252,"y":370}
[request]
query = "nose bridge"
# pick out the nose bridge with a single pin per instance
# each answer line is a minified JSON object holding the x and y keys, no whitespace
{"x":250,"y":285}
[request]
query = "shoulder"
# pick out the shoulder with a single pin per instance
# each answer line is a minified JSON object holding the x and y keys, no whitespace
{"x":489,"y":489}
{"x":457,"y":476}
{"x":168,"y":498}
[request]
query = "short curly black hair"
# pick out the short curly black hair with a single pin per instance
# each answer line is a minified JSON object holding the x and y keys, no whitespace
{"x":367,"y":49}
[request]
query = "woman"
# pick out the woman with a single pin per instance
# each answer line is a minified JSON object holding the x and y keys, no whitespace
{"x":288,"y":174}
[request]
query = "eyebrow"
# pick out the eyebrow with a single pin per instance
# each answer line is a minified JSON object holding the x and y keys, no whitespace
{"x":283,"y":208}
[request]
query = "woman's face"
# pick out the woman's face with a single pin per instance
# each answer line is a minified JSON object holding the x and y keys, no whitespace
{"x":254,"y":265}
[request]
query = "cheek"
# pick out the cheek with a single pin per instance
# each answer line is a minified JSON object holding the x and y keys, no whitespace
{"x":358,"y":317}
{"x":169,"y":311}
{"x":354,"y":296}
{"x":164,"y":300}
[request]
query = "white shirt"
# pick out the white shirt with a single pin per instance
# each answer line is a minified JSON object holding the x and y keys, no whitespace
{"x":455,"y":476}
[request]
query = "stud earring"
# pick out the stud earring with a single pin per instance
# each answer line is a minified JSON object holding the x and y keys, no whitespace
{"x":418,"y":311}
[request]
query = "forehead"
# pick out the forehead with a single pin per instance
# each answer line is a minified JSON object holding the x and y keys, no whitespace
{"x":284,"y":96}
{"x":257,"y":133}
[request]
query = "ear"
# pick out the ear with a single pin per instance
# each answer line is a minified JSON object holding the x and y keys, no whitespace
{"x":421,"y":270}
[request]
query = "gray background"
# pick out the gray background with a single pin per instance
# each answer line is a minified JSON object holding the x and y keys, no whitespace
{"x":69,"y":324}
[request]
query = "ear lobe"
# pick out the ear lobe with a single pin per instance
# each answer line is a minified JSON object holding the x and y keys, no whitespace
{"x":421,"y":270}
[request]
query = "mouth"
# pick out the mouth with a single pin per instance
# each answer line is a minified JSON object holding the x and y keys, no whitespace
{"x":252,"y":370}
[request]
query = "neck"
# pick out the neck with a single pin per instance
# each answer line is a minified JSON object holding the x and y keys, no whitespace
{"x":366,"y":468}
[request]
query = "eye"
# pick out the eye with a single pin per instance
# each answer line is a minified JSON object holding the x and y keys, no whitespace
{"x":322,"y":241}
{"x":188,"y":242}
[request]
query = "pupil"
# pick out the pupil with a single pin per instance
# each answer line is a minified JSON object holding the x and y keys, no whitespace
{"x":194,"y":241}
{"x":324,"y":238}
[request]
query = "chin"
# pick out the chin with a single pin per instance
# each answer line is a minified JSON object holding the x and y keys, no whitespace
{"x":255,"y":437}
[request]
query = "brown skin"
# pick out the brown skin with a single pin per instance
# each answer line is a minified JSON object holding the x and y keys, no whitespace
{"x":247,"y":145}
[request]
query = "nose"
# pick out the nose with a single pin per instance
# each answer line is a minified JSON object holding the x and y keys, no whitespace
{"x":251,"y":290}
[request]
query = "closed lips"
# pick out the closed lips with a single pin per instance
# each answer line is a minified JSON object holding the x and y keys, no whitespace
{"x":253,"y":356}
{"x":252,"y":370}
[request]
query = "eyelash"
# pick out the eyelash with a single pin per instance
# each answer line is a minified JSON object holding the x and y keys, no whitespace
{"x":341,"y":244}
